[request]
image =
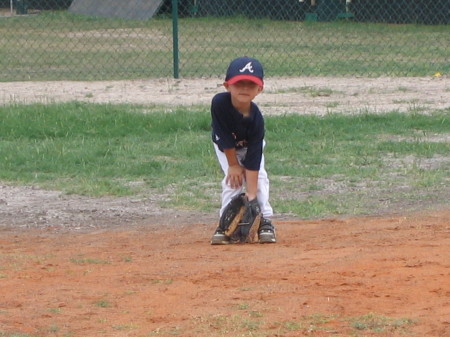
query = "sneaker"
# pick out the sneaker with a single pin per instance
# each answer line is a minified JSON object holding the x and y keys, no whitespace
{"x":267,"y":232}
{"x":219,"y":238}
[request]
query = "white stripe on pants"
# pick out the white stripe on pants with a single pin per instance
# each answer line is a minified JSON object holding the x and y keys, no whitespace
{"x":263,"y":183}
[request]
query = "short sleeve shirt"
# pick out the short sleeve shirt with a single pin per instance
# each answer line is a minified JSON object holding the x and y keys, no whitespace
{"x":230,"y":129}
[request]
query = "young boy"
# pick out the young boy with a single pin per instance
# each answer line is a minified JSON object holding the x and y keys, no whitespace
{"x":238,"y":137}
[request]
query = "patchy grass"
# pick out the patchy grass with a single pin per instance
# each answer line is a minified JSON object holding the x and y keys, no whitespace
{"x":89,"y":260}
{"x":380,"y":324}
{"x":318,"y":166}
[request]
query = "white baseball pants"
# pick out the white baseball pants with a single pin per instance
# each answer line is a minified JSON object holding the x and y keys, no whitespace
{"x":263,"y":183}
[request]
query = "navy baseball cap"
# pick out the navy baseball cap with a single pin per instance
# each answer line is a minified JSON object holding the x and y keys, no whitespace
{"x":245,"y":68}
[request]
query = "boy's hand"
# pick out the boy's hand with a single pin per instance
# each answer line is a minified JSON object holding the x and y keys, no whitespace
{"x":235,"y":177}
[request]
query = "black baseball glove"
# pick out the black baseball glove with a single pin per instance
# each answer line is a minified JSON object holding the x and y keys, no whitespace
{"x":241,"y":219}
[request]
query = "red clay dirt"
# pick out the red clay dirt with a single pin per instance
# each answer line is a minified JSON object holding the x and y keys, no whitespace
{"x":368,"y":276}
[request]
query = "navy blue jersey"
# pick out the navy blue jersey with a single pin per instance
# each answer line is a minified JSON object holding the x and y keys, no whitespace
{"x":230,"y":129}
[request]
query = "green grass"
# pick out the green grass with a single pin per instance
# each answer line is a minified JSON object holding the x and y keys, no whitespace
{"x":380,"y":324}
{"x":88,"y":260}
{"x":318,"y":166}
{"x":101,"y":149}
{"x":60,"y":45}
{"x":247,"y":323}
{"x":333,"y":164}
{"x":103,"y":304}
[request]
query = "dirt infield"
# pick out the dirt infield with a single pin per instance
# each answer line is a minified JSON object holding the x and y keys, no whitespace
{"x":369,"y":276}
{"x":300,"y":95}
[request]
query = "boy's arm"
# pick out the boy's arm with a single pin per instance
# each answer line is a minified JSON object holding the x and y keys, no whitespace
{"x":251,"y":178}
{"x":236,"y":173}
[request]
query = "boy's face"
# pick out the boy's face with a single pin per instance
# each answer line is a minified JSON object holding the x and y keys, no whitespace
{"x":244,"y":91}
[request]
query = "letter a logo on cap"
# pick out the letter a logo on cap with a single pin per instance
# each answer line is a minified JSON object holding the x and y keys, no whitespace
{"x":248,"y":67}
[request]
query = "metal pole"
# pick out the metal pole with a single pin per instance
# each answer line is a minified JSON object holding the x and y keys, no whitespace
{"x":176,"y":72}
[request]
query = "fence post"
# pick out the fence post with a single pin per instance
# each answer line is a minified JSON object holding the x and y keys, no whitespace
{"x":176,"y":72}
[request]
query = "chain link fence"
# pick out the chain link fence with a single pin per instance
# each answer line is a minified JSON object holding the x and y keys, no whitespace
{"x":115,"y":39}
